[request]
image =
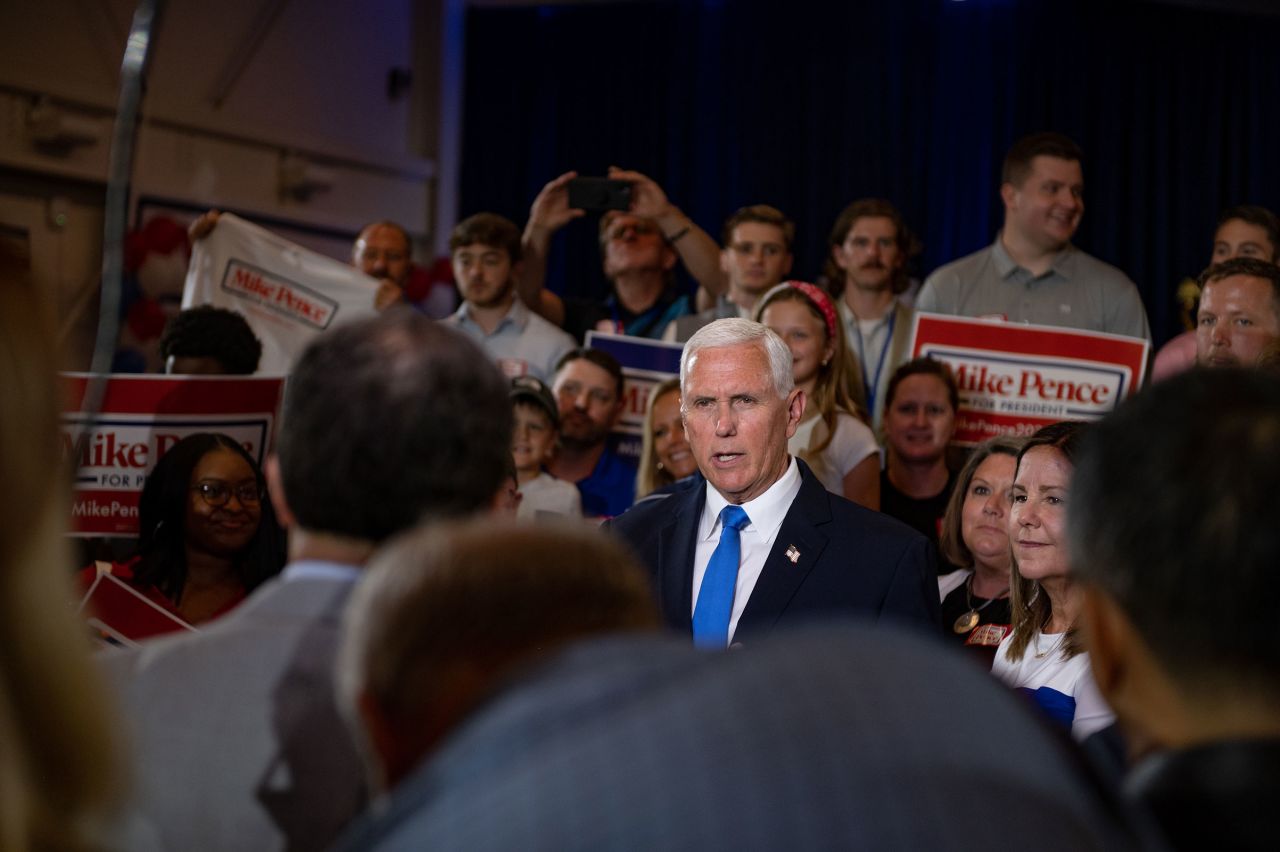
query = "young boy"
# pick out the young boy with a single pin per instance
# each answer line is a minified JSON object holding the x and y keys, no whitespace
{"x":486,"y":262}
{"x":537,"y":419}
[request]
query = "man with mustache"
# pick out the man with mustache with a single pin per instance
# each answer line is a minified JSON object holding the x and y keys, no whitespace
{"x":1032,"y":273}
{"x":870,"y":245}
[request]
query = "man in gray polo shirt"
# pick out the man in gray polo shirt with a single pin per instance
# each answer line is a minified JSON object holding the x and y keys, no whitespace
{"x":1032,"y":273}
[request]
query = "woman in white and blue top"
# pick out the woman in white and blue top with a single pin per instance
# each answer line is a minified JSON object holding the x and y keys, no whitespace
{"x":1042,"y":656}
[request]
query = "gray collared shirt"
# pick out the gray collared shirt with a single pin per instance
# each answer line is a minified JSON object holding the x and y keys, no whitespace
{"x":1078,"y":291}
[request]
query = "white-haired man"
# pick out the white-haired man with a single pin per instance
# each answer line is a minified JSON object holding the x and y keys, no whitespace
{"x":757,"y":540}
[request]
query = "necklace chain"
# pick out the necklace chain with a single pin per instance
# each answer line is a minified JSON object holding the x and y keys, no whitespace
{"x":968,"y":596}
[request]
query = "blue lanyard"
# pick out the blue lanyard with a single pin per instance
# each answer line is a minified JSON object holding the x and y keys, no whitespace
{"x":871,"y":386}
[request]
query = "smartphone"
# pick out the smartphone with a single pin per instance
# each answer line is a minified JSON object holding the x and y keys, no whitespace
{"x":594,"y":193}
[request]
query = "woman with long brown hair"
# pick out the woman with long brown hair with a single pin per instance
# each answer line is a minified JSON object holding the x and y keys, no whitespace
{"x":1043,"y":655}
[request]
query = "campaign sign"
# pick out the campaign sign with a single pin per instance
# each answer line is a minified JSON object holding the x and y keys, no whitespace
{"x":1014,"y":378}
{"x":287,"y":293}
{"x":279,"y":294}
{"x":645,"y":363}
{"x":141,"y":418}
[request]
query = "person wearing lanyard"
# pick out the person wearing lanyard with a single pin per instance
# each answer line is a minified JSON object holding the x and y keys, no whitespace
{"x":870,"y":245}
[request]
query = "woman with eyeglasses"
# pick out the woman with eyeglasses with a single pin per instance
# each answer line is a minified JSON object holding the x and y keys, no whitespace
{"x":207,"y":533}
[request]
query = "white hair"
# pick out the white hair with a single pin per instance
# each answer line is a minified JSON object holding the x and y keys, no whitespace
{"x":735,"y":331}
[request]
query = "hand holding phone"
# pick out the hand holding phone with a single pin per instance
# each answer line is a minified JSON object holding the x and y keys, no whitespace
{"x":599,"y":194}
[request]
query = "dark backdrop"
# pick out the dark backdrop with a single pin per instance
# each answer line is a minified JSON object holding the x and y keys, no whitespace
{"x":807,"y":106}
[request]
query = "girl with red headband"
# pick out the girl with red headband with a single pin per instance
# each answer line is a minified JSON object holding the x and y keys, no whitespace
{"x":833,"y":438}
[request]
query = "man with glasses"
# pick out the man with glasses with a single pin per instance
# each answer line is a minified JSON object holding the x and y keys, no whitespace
{"x":588,"y":387}
{"x":639,"y":248}
{"x":755,"y":258}
{"x":383,"y":250}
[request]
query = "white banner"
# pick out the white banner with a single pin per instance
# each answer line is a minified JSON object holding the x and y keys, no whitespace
{"x":287,"y":293}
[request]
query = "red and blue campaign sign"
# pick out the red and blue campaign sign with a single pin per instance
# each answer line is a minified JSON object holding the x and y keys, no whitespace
{"x":645,"y":363}
{"x":141,"y":418}
{"x":1015,"y":378}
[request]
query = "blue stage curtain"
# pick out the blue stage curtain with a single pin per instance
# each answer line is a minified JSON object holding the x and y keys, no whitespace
{"x":807,"y":106}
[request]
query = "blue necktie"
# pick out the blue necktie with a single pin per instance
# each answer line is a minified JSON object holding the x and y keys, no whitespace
{"x":715,"y":597}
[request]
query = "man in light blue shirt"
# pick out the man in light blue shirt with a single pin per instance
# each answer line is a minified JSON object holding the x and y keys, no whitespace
{"x":486,"y":263}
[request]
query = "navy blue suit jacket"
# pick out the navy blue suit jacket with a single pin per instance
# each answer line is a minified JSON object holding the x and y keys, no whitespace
{"x":852,"y":561}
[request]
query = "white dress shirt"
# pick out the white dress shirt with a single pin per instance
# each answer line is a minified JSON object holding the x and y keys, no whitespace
{"x":766,"y":514}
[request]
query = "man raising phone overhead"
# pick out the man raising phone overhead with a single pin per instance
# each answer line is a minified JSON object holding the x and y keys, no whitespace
{"x":639,"y":248}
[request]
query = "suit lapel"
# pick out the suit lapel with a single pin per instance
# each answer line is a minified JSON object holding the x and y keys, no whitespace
{"x":796,"y":550}
{"x":677,"y":542}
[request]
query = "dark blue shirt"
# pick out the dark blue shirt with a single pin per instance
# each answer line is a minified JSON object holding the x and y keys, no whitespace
{"x":611,"y":488}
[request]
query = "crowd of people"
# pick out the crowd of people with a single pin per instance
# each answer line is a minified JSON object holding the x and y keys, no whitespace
{"x":404,"y":640}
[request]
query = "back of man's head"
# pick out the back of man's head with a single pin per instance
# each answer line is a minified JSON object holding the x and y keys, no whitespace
{"x":446,"y":613}
{"x":389,"y":421}
{"x":1173,"y":517}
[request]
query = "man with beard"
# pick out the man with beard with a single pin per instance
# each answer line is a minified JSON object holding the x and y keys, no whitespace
{"x":1244,"y":231}
{"x":1239,"y":314}
{"x":588,"y":387}
{"x":1032,"y":273}
{"x":870,"y":245}
{"x":486,"y":262}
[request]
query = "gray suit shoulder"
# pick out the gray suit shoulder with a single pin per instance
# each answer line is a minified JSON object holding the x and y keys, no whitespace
{"x":856,"y":773}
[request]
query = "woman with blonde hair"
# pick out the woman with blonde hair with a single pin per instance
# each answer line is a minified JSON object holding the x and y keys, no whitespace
{"x":665,"y":455}
{"x":1043,"y":655}
{"x":57,"y":759}
{"x":833,"y":437}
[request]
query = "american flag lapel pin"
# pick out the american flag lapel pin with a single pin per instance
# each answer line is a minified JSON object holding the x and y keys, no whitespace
{"x":793,"y":554}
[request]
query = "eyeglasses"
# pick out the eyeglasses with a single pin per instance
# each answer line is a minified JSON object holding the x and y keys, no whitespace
{"x":217,"y":494}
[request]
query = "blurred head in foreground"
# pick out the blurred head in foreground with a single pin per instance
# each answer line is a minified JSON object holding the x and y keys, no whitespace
{"x":58,"y":774}
{"x":445,"y":614}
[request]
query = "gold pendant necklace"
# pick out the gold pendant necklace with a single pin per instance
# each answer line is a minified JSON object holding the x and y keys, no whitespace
{"x":969,"y":619}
